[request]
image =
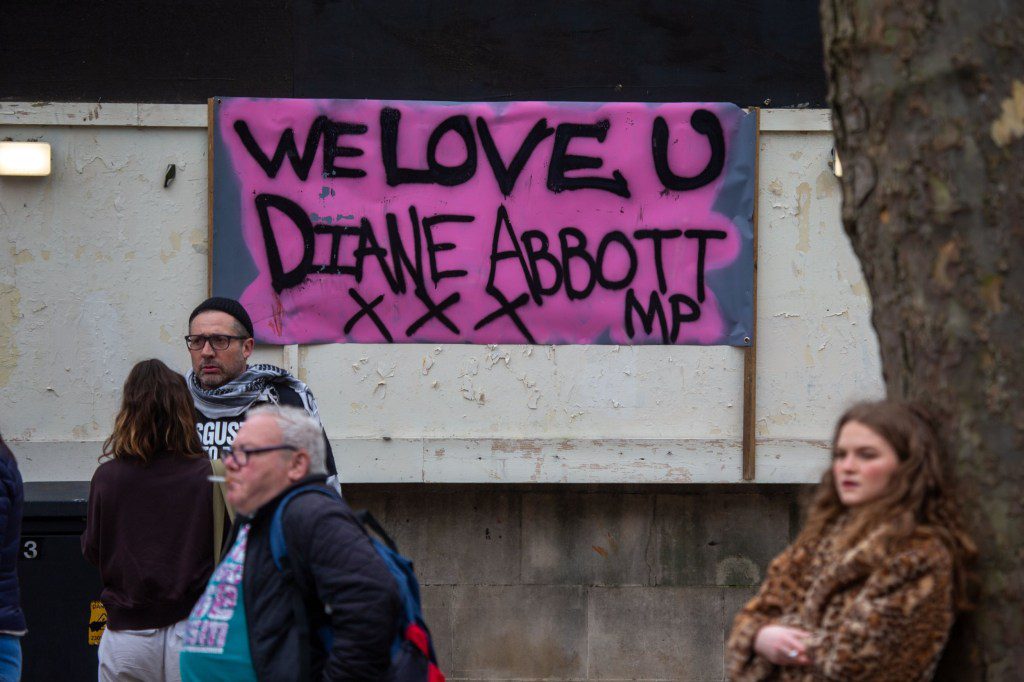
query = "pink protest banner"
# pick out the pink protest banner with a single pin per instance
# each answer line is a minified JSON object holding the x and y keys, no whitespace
{"x":521,"y":222}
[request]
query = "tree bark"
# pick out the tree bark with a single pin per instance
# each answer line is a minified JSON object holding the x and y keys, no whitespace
{"x":927,"y":100}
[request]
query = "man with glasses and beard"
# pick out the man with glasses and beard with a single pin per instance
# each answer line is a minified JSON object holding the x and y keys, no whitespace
{"x":329,"y":608}
{"x":225,"y":387}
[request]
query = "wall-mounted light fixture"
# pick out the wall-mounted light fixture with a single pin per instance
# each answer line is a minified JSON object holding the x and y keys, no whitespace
{"x":25,"y":158}
{"x":833,"y":161}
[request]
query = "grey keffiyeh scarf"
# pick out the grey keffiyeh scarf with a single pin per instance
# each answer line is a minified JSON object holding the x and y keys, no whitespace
{"x":257,"y":384}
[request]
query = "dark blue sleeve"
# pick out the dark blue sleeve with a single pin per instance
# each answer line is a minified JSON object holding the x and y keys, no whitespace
{"x":10,"y":509}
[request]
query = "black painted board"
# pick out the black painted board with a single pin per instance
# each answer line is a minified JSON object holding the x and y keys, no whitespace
{"x":155,"y":51}
{"x":750,"y":52}
{"x":57,"y":587}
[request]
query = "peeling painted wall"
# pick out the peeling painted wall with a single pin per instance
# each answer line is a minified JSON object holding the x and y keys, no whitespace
{"x":100,"y":266}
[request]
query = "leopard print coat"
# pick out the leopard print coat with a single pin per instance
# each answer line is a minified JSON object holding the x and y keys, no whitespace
{"x":874,"y":613}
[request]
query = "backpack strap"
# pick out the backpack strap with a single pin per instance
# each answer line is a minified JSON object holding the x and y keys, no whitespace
{"x":402,"y":571}
{"x":368,"y":521}
{"x":278,"y":546}
{"x":285,"y":565}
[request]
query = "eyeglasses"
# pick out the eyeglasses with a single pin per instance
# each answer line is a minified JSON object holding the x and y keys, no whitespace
{"x":240,"y":455}
{"x":217,"y":341}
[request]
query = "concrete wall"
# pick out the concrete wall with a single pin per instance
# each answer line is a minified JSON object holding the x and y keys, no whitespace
{"x":584,"y":582}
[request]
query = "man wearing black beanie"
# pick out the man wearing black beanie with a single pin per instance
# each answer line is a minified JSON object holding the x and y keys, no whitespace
{"x":225,"y":387}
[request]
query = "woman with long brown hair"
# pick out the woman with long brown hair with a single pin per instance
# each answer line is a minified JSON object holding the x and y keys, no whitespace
{"x":150,"y":526}
{"x":871,"y":586}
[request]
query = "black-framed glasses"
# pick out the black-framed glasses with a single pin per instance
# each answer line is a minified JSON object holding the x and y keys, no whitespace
{"x":216,"y":341}
{"x":240,"y":455}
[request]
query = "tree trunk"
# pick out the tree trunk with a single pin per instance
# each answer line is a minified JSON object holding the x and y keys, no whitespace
{"x":928,"y":110}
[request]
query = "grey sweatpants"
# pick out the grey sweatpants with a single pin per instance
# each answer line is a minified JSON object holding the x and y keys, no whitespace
{"x":141,"y":655}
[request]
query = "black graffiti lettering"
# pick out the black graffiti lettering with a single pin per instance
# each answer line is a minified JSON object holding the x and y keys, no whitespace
{"x":400,"y":257}
{"x":615,"y":237}
{"x":576,"y":251}
{"x":657,"y":236}
{"x":433,"y":247}
{"x":367,"y":310}
{"x":562,"y":162}
{"x":285,"y":147}
{"x":703,"y":122}
{"x":702,"y":236}
{"x":573,"y":264}
{"x":395,"y":174}
{"x":507,"y":176}
{"x":336,"y":232}
{"x":503,"y":222}
{"x":675,"y":300}
{"x":389,"y":120}
{"x":368,"y":246}
{"x":322,"y":127}
{"x":505,"y":307}
{"x":534,"y":255}
{"x":279,"y":279}
{"x":436,"y":172}
{"x":332,"y":131}
{"x":333,"y":266}
{"x":449,"y":176}
{"x":655,"y":312}
{"x":434,"y":310}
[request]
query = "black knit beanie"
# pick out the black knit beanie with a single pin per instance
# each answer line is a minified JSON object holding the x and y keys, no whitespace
{"x":224,"y":305}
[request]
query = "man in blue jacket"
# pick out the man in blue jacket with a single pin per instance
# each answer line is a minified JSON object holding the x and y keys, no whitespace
{"x":248,"y":625}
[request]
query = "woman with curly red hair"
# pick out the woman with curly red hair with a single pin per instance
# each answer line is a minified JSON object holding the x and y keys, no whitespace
{"x":871,"y":586}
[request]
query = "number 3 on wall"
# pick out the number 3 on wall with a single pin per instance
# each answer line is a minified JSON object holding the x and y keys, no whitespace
{"x":29,"y":548}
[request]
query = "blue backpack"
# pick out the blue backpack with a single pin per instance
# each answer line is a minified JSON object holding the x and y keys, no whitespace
{"x":412,"y":652}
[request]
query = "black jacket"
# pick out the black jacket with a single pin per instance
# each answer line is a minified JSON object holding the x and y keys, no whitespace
{"x":338,"y":568}
{"x":11,"y":498}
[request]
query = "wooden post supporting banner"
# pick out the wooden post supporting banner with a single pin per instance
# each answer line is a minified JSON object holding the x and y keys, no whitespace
{"x":750,"y":352}
{"x":209,"y":196}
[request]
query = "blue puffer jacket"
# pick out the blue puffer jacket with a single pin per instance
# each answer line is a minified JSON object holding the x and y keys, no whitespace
{"x":11,"y":499}
{"x":347,"y":587}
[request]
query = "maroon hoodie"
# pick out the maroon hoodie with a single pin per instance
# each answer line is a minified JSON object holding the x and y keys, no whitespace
{"x":150,"y":532}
